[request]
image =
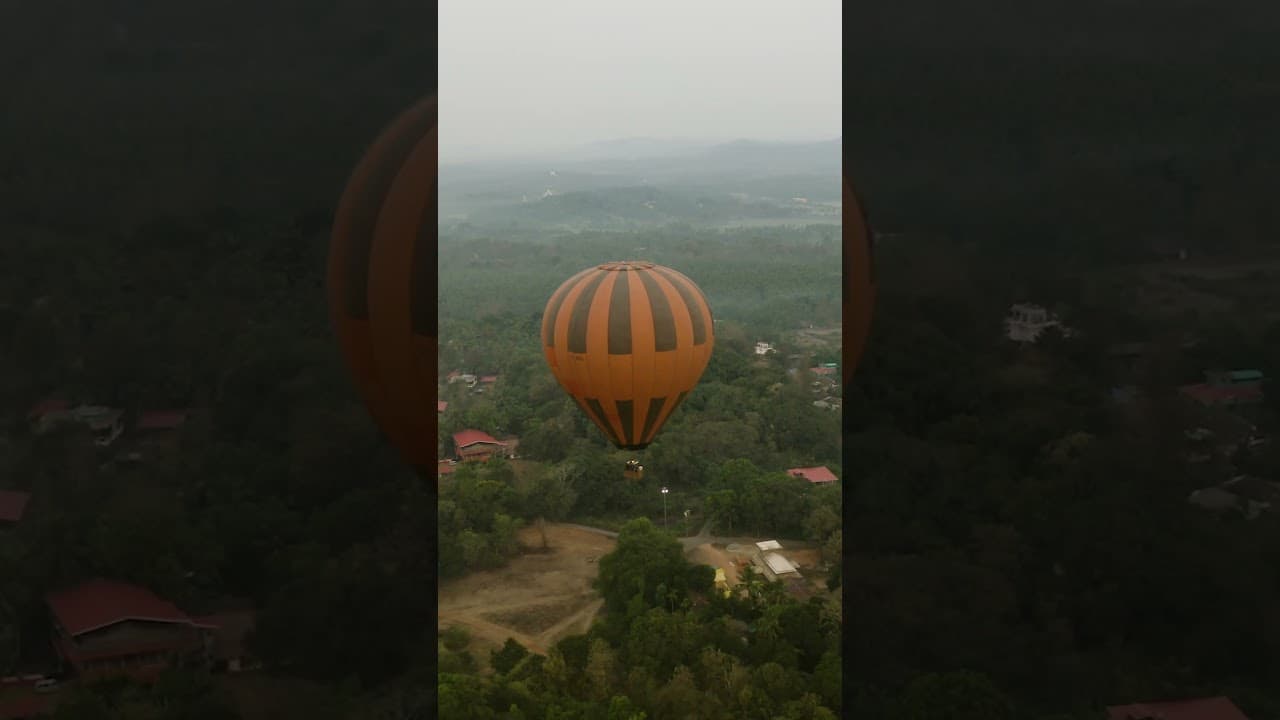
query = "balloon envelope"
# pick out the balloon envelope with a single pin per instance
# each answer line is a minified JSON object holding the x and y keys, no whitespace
{"x":381,"y":281}
{"x":628,"y":341}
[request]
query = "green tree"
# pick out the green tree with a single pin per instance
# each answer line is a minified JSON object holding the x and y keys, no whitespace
{"x":644,"y":559}
{"x":456,"y":638}
{"x":960,"y":695}
{"x":601,"y":670}
{"x":506,"y":658}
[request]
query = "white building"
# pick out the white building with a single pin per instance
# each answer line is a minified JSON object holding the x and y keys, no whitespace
{"x":1026,"y":323}
{"x":764,"y":348}
{"x":771,"y":563}
{"x":103,"y":422}
{"x":780,"y":565}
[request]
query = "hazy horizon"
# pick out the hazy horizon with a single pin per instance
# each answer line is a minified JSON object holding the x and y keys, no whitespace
{"x":525,"y":80}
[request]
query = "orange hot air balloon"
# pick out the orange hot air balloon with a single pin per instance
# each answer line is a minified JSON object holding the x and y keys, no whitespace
{"x":858,"y":270}
{"x":628,"y":341}
{"x":381,"y":281}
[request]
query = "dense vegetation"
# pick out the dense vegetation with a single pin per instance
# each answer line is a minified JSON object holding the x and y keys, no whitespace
{"x":759,"y":654}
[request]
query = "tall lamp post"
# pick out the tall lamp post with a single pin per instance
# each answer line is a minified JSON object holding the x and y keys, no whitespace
{"x":664,"y":506}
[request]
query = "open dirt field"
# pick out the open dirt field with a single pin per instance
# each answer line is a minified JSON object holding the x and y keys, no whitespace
{"x":537,"y":599}
{"x":717,"y":558}
{"x":805,"y":559}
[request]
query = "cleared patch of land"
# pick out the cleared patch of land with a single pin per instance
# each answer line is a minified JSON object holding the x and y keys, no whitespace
{"x":539,"y":598}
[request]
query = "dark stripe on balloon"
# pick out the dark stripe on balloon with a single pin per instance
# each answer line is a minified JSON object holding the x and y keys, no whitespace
{"x":664,"y":323}
{"x":620,"y":317}
{"x":582,"y":313}
{"x":693,"y":303}
{"x":365,"y":210}
{"x":423,"y":302}
{"x":625,"y":408}
{"x":597,"y":410}
{"x":553,"y":311}
{"x":655,"y":409}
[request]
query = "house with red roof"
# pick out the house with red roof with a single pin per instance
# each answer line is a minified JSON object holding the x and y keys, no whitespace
{"x":820,"y":475}
{"x":104,"y":423}
{"x":1222,"y":395}
{"x":13,"y":505}
{"x":161,"y":420}
{"x":1237,"y":387}
{"x":158,"y":432}
{"x":1214,"y":708}
{"x":107,"y":627}
{"x":441,"y":406}
{"x":40,"y":415}
{"x":477,"y":446}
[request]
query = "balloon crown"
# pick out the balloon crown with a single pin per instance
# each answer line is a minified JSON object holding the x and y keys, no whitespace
{"x":626,"y":265}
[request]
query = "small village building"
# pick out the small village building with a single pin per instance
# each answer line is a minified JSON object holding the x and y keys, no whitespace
{"x":1213,"y":708}
{"x":229,"y":653}
{"x":1254,"y":489}
{"x":771,"y":563}
{"x":764,"y":348}
{"x":103,"y":423}
{"x":161,"y":421}
{"x":13,"y":505}
{"x":1227,"y":388}
{"x":477,"y":446}
{"x":441,"y":406}
{"x":1027,"y":323}
{"x":46,"y":414}
{"x":819,"y":475}
{"x":1214,"y":498}
{"x":779,"y":566}
{"x":159,"y":432}
{"x":104,"y":627}
{"x":460,"y":377}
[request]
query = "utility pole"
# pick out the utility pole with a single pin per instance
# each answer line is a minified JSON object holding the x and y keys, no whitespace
{"x":664,"y":506}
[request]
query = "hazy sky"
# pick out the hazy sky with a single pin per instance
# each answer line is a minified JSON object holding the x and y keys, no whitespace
{"x":519,"y":76}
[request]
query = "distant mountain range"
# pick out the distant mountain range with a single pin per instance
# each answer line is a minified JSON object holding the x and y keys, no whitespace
{"x":744,"y":170}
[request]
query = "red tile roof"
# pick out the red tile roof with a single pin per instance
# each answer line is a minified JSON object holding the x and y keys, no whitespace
{"x":1214,"y":708}
{"x":471,"y":437}
{"x":488,"y":378}
{"x":441,"y":406}
{"x":162,"y":420}
{"x":47,"y":406}
{"x":819,"y":474}
{"x":1216,"y":394}
{"x":444,"y":467}
{"x":99,"y":603}
{"x":13,"y":504}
